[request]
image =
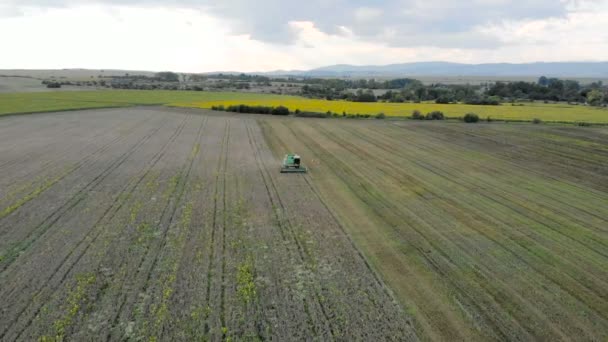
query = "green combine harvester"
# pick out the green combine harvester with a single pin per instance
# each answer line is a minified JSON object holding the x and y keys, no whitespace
{"x":292,"y":164}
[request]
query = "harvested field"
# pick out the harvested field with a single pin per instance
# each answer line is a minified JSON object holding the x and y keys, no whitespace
{"x":167,"y":225}
{"x":175,"y":224}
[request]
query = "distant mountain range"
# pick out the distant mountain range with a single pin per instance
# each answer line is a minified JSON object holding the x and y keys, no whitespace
{"x":557,"y":69}
{"x":591,"y":70}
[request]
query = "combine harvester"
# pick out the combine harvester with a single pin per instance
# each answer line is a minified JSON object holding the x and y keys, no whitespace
{"x":292,"y":164}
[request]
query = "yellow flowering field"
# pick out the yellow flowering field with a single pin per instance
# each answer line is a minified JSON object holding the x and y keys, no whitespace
{"x":528,"y":111}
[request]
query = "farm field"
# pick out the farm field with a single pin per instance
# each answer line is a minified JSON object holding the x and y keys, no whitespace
{"x":524,"y":112}
{"x":72,"y":100}
{"x":32,"y":102}
{"x":487,"y":232}
{"x":175,"y":224}
{"x":167,"y":225}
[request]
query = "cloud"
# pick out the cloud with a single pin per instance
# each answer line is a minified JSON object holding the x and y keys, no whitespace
{"x":363,"y":14}
{"x":199,"y":36}
{"x":404,"y":23}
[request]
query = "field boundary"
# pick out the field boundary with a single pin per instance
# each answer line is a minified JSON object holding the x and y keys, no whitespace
{"x":56,"y":111}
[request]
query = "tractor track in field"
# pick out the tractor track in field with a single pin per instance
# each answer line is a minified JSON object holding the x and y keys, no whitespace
{"x":514,"y":164}
{"x":109,"y":211}
{"x":11,"y":162}
{"x":91,"y":141}
{"x":439,"y":269}
{"x":284,"y":238}
{"x":580,"y":224}
{"x":392,"y":167}
{"x":167,"y":225}
{"x":449,"y":263}
{"x":491,"y":169}
{"x":210,"y":266}
{"x":47,"y":148}
{"x":539,"y":270}
{"x":224,"y":222}
{"x":51,"y":219}
{"x":450,"y":176}
{"x":497,"y":197}
{"x":91,"y":158}
{"x":314,"y":190}
{"x":52,"y":161}
{"x":286,"y":224}
{"x":180,"y":188}
{"x":376,"y":277}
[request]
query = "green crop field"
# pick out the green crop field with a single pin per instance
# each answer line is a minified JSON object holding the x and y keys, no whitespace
{"x":69,"y":100}
{"x":54,"y":101}
{"x":484,"y":232}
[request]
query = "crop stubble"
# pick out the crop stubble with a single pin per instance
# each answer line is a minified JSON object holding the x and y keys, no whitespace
{"x":173,"y":225}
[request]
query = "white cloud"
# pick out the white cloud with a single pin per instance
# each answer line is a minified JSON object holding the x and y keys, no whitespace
{"x":363,"y":14}
{"x":151,"y":36}
{"x":129,"y":38}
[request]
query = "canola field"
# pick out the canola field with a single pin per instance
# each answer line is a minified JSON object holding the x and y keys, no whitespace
{"x":519,"y":112}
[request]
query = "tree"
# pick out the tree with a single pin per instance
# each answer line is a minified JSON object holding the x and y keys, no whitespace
{"x":417,"y":115}
{"x":367,"y":96}
{"x":168,"y":76}
{"x":53,"y":85}
{"x":471,"y":118}
{"x":280,"y":110}
{"x":543,"y":81}
{"x":595,"y":97}
{"x":436,"y":115}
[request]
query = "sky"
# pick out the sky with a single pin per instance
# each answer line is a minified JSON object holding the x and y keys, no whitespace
{"x":267,"y":35}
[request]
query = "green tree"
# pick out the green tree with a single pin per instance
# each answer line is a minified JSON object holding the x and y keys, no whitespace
{"x":168,"y":76}
{"x":595,"y":97}
{"x":471,"y":118}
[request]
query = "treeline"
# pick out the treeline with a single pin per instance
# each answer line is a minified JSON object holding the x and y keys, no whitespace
{"x":280,"y":110}
{"x":344,"y":84}
{"x":241,"y":77}
{"x":163,"y":76}
{"x":59,"y":83}
{"x":440,"y":93}
{"x":412,"y":90}
{"x":363,"y":90}
{"x":327,"y":83}
{"x":408,"y":90}
{"x":551,"y":89}
{"x":329,"y":94}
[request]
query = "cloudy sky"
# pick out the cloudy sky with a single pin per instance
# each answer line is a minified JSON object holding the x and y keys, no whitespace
{"x":263,"y":35}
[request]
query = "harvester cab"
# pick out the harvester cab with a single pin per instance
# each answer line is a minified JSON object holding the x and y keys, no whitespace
{"x":292,"y":163}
